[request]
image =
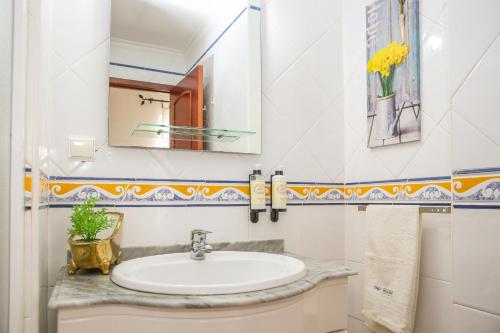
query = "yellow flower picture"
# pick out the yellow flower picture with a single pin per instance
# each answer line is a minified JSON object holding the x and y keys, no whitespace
{"x":393,"y":72}
{"x":384,"y":63}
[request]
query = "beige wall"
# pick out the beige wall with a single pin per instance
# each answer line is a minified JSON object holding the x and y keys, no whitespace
{"x":126,"y":113}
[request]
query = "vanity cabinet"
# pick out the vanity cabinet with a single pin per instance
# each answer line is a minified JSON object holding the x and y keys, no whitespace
{"x":322,"y":309}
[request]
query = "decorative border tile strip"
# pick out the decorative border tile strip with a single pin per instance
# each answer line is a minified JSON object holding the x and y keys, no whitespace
{"x":28,"y":189}
{"x":489,"y":206}
{"x":316,"y":193}
{"x":435,"y":189}
{"x":44,"y":190}
{"x":132,"y":192}
{"x":478,"y":187}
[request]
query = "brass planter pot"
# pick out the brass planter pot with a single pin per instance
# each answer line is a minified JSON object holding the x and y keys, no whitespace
{"x":98,"y":254}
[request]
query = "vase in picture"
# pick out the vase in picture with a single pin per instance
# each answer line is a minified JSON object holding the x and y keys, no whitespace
{"x":386,"y":118}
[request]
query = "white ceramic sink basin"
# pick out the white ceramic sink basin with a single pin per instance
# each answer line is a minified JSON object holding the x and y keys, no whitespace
{"x":223,"y":272}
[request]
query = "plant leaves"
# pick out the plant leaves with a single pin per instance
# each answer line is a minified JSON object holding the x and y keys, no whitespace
{"x":87,"y":221}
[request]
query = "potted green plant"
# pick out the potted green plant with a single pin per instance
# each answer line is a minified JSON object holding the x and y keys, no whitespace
{"x":87,"y":251}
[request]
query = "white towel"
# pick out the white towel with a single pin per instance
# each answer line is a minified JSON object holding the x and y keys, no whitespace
{"x":392,"y":258}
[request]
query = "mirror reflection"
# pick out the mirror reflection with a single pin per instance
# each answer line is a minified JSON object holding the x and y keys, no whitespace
{"x":185,"y":74}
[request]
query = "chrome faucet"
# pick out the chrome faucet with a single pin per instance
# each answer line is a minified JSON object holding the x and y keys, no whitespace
{"x":198,"y":244}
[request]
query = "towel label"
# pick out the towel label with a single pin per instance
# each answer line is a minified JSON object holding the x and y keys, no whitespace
{"x":385,"y":291}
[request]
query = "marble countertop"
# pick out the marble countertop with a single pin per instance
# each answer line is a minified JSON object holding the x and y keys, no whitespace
{"x":88,"y":288}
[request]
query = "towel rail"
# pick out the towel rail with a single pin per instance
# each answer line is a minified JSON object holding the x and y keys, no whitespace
{"x":422,"y":209}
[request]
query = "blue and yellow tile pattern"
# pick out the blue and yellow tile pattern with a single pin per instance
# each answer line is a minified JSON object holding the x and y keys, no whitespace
{"x":471,"y":187}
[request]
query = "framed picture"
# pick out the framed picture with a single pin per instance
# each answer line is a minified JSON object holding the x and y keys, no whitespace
{"x":393,"y":72}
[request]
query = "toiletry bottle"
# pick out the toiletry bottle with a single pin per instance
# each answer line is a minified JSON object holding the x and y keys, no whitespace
{"x":278,"y":193}
{"x":257,"y":193}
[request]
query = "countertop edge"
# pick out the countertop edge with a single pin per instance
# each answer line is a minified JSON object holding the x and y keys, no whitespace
{"x":315,"y":275}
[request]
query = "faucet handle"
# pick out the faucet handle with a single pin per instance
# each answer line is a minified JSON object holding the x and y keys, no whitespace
{"x":200,"y":231}
{"x":199,"y":235}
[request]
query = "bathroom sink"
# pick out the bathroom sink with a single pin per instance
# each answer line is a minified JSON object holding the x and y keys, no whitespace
{"x":224,"y":272}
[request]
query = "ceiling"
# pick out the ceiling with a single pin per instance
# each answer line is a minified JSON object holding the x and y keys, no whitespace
{"x":168,"y":23}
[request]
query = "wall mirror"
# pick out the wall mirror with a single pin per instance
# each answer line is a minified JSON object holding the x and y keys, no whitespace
{"x":185,"y":74}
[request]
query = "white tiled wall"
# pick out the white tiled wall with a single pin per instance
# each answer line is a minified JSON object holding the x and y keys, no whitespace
{"x":314,"y":88}
{"x":460,"y":55}
{"x":294,"y":131}
{"x":467,"y":320}
{"x":475,"y":69}
{"x":476,"y":259}
{"x":411,"y":159}
{"x":402,"y":161}
{"x":475,"y":72}
{"x":302,"y":129}
{"x":80,"y":99}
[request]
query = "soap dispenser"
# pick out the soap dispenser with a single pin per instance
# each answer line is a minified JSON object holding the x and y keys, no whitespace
{"x":257,"y":193}
{"x":278,"y":193}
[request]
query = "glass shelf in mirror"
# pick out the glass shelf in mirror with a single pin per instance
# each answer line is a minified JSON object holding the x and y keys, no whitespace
{"x":191,"y":133}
